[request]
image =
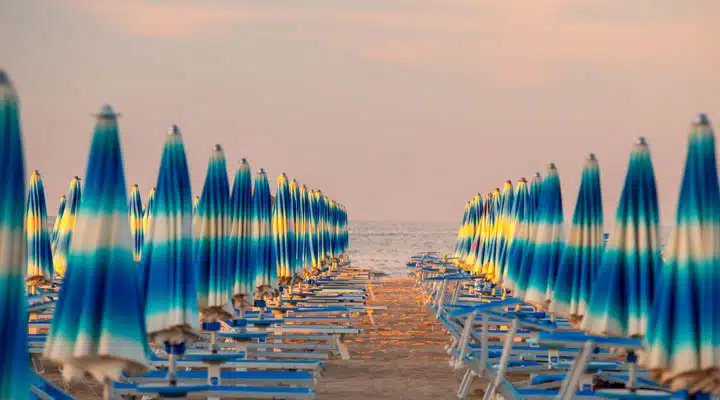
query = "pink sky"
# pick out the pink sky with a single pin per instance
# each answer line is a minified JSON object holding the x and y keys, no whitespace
{"x":400,"y":109}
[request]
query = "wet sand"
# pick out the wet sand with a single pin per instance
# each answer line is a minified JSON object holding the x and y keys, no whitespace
{"x":403,"y":359}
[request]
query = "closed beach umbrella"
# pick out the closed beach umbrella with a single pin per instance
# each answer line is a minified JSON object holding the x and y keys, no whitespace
{"x":505,"y":221}
{"x":523,"y":254}
{"x":148,"y":210}
{"x":136,"y":222}
{"x":39,"y":255}
{"x":240,"y":223}
{"x":67,"y":225}
{"x":262,"y":250}
{"x":211,"y":226}
{"x":58,"y":218}
{"x":517,"y":233}
{"x":284,"y":231}
{"x":548,"y":246}
{"x":14,"y":379}
{"x":98,"y":326}
{"x":577,"y":273}
{"x":306,"y":226}
{"x":171,"y":305}
{"x":623,"y":291}
{"x":682,"y":340}
{"x":462,"y":232}
{"x":312,"y":234}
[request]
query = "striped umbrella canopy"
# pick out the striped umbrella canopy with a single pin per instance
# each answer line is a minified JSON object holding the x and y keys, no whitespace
{"x":284,"y":231}
{"x":61,"y":247}
{"x":298,"y":215}
{"x":479,"y":235}
{"x":682,"y":339}
{"x":580,"y":262}
{"x":98,"y":326}
{"x":344,"y":234}
{"x":548,"y":243}
{"x":136,"y":222}
{"x":505,"y":221}
{"x":316,"y":235}
{"x":262,"y":249}
{"x":462,"y":232}
{"x":312,"y":232}
{"x":169,"y":284}
{"x":518,"y":227}
{"x":325,"y":226}
{"x":148,"y":210}
{"x":333,"y":227}
{"x":240,"y":224}
{"x":306,"y":227}
{"x":211,"y":227}
{"x":487,"y":246}
{"x":58,"y":218}
{"x":39,"y":255}
{"x":476,"y":205}
{"x":623,"y":292}
{"x":14,"y":379}
{"x":522,"y":254}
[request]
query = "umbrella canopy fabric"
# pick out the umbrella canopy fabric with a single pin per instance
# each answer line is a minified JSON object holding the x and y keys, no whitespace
{"x":240,"y":224}
{"x":313,"y":234}
{"x":136,"y":222}
{"x":486,"y":250}
{"x":67,"y":226}
{"x":14,"y":379}
{"x":262,"y":249}
{"x":284,"y":231}
{"x":548,"y":242}
{"x":517,"y":233}
{"x":523,"y":254}
{"x":683,"y":332}
{"x":582,"y":255}
{"x":148,"y":210}
{"x":623,"y":291}
{"x":307,"y":256}
{"x":39,"y":255}
{"x":505,"y":221}
{"x":211,"y":226}
{"x":462,"y":232}
{"x":169,"y":284}
{"x":98,"y":326}
{"x":58,"y":218}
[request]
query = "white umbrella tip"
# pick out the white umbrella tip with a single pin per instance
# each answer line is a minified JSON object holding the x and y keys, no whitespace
{"x":592,"y":157}
{"x":642,"y":141}
{"x":262,"y":171}
{"x":174,"y":130}
{"x":702,"y":119}
{"x":552,"y":166}
{"x":217,"y":147}
{"x":243,"y":161}
{"x":106,"y":111}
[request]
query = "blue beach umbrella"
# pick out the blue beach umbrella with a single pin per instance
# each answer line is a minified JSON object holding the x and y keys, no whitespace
{"x":14,"y":379}
{"x":577,"y":273}
{"x":517,"y":232}
{"x":682,"y":340}
{"x":136,"y":222}
{"x":148,"y":210}
{"x":58,"y":218}
{"x":480,"y":234}
{"x":305,"y":234}
{"x":169,"y":284}
{"x":39,"y":255}
{"x":262,"y":249}
{"x":211,"y":226}
{"x":505,"y":222}
{"x":98,"y":326}
{"x":622,"y":294}
{"x":312,"y":234}
{"x":548,"y":242}
{"x":240,"y":224}
{"x":284,"y":231}
{"x":459,"y":241}
{"x":61,"y":247}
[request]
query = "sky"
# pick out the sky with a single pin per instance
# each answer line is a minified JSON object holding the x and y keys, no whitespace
{"x":399,"y":109}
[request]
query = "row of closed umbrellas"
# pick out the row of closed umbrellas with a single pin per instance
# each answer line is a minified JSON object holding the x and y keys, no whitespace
{"x":129,"y":272}
{"x":626,"y":287}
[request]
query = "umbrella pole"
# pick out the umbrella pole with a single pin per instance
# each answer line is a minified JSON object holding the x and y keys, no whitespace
{"x":172,"y":369}
{"x":107,"y":389}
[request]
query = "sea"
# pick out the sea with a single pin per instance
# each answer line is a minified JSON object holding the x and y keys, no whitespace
{"x":386,"y":246}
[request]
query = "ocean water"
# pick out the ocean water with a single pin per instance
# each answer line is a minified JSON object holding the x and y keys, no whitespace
{"x":386,"y":246}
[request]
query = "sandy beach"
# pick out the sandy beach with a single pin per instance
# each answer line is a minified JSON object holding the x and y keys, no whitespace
{"x":403,"y":359}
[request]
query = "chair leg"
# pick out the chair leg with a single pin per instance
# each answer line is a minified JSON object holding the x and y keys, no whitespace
{"x":465,"y":384}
